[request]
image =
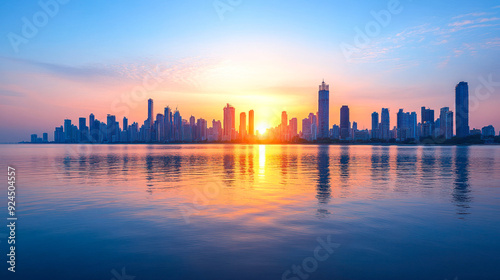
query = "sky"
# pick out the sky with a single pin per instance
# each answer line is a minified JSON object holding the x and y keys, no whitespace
{"x":68,"y":58}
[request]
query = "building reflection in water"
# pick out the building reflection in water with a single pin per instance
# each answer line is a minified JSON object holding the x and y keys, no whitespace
{"x":323,"y":188}
{"x":229,"y":164}
{"x":461,"y":191}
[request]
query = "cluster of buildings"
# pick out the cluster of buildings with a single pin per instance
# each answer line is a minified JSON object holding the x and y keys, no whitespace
{"x":166,"y":127}
{"x":170,"y":127}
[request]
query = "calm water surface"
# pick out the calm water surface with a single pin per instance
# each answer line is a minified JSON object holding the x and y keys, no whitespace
{"x":254,"y":212}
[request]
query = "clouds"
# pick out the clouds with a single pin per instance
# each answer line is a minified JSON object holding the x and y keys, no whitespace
{"x":435,"y":38}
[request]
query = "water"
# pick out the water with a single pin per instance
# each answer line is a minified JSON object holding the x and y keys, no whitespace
{"x":253,"y":212}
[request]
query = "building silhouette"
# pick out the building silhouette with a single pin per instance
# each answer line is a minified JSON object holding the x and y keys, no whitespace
{"x":251,"y":123}
{"x":323,"y":110}
{"x":345,"y":124}
{"x":229,"y":123}
{"x":462,"y":109}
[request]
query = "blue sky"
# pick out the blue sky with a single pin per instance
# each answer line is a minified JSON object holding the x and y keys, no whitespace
{"x":263,"y":55}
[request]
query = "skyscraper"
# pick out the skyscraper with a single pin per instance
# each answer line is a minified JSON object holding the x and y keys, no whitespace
{"x":251,"y":123}
{"x":284,"y":126}
{"x":306,"y":129}
{"x":125,"y":123}
{"x":91,"y":122}
{"x":82,"y":127}
{"x":229,"y":122}
{"x":344,"y":122}
{"x":168,"y":132}
{"x":243,"y":125}
{"x":323,"y":110}
{"x":462,"y":109}
{"x":150,"y":112}
{"x":67,"y":130}
{"x":428,"y":122}
{"x":385,"y":124}
{"x":375,"y":129}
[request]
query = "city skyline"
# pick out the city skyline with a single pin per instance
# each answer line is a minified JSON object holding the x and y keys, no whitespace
{"x":414,"y":56}
{"x":171,"y":127}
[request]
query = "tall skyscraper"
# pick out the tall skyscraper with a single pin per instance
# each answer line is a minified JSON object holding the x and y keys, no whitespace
{"x":385,"y":124}
{"x":344,"y":122}
{"x":314,"y":126}
{"x":462,"y":109}
{"x":67,"y":130}
{"x":251,"y":123}
{"x":83,"y":129}
{"x":413,"y":126}
{"x":168,"y":133}
{"x":243,"y":125}
{"x":323,"y":110}
{"x":125,"y":123}
{"x":150,"y":112}
{"x":284,"y":126}
{"x":229,"y":122}
{"x":375,"y":125}
{"x":91,"y":122}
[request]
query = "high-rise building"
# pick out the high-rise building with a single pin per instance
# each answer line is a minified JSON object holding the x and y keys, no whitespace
{"x":293,"y":127}
{"x":150,"y":112}
{"x":201,"y":130}
{"x":488,"y":131}
{"x":216,"y":130}
{"x":446,"y":123}
{"x":462,"y":109}
{"x":314,"y":126}
{"x":284,"y":126}
{"x":323,"y":110}
{"x":229,"y":122}
{"x":83,"y":129}
{"x":125,"y":123}
{"x":67,"y":130}
{"x":243,"y":125}
{"x":428,"y":122}
{"x":168,"y":125}
{"x":344,"y":122}
{"x":251,"y":123}
{"x":403,"y":125}
{"x":177,"y":126}
{"x":91,"y":123}
{"x":306,"y":129}
{"x":385,"y":124}
{"x":335,"y":132}
{"x":375,"y":129}
{"x":112,"y":129}
{"x":413,"y":127}
{"x":45,"y":137}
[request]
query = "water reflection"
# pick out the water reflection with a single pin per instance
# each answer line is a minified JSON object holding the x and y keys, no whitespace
{"x":323,"y":181}
{"x":342,"y":171}
{"x":461,"y":191}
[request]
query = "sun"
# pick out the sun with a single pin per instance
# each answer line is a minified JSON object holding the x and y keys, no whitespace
{"x":262,"y":127}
